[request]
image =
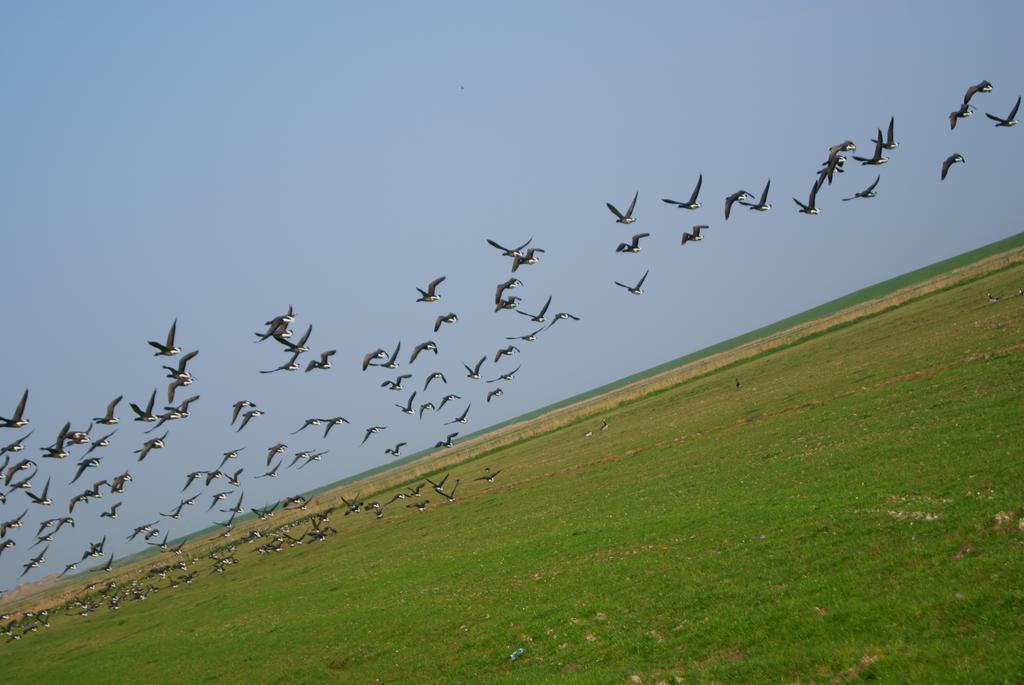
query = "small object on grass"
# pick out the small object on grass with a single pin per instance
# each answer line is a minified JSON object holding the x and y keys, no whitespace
{"x":516,"y":654}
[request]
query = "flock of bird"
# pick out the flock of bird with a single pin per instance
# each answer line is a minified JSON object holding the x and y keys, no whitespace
{"x":23,"y":473}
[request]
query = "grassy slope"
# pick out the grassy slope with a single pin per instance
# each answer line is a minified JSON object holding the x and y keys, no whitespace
{"x":834,"y":518}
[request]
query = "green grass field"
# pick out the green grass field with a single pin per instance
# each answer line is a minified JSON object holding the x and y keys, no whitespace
{"x":855,"y":511}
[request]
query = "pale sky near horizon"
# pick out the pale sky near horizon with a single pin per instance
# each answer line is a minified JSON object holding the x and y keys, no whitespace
{"x":218,"y":162}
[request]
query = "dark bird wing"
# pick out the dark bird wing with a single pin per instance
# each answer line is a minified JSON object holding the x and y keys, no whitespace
{"x":614,"y":211}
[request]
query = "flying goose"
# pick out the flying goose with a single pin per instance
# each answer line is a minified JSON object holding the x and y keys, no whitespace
{"x":437,"y":375}
{"x":391,"y":362}
{"x":529,"y":337}
{"x":474,"y":373}
{"x":396,"y":451}
{"x":462,"y":417}
{"x":168,"y":348}
{"x":809,"y":208}
{"x":272,"y":473}
{"x":430,"y":294}
{"x":692,"y":203}
{"x":291,"y":365}
{"x":370,"y":431}
{"x":562,"y":316}
{"x":890,"y":141}
{"x":950,"y":161}
{"x":83,"y":465}
{"x":962,"y":113}
{"x":511,"y":302}
{"x":983,"y":87}
{"x":626,"y":218}
{"x":247,"y":417}
{"x":501,"y":288}
{"x":35,"y":563}
{"x":1011,"y":118}
{"x":489,"y":476}
{"x":331,"y":423}
{"x":426,"y":406}
{"x":738,"y":196}
{"x":299,"y":347}
{"x":324,"y":362}
{"x":112,"y":512}
{"x":307,"y":423}
{"x":446,"y":399}
{"x":397,"y":383}
{"x":237,"y":407}
{"x":180,"y":372}
{"x":153,"y":444}
{"x":632,"y":247}
{"x":867,"y":192}
{"x":688,"y":237}
{"x":15,"y":446}
{"x":407,"y":407}
{"x":539,"y":317}
{"x":513,"y":252}
{"x":102,"y":442}
{"x":42,"y":499}
{"x":109,"y":419}
{"x":274,"y":451}
{"x":370,"y":356}
{"x":13,"y":523}
{"x":428,"y":346}
{"x":18,"y":420}
{"x":877,"y":158}
{"x":449,"y":318}
{"x":497,"y":392}
{"x":638,"y":289}
{"x":506,"y":376}
{"x":763,"y":205}
{"x":147,"y":415}
{"x":529,"y":259}
{"x":447,"y":442}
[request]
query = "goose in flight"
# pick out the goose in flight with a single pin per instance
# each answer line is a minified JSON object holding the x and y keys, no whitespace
{"x":370,"y":431}
{"x":809,"y":208}
{"x":16,"y":446}
{"x":632,"y":247}
{"x":626,"y":218}
{"x":890,"y":140}
{"x":489,"y":475}
{"x":513,"y":252}
{"x":505,"y":352}
{"x":962,"y":113}
{"x":272,"y":473}
{"x":497,"y":392}
{"x":167,"y":348}
{"x":447,"y":442}
{"x":950,"y":161}
{"x":692,"y":202}
{"x":428,"y":346}
{"x":237,"y":407}
{"x":307,"y":423}
{"x":109,"y":419}
{"x":323,"y":363}
{"x":301,"y":346}
{"x":426,"y":406}
{"x":529,"y":337}
{"x":867,"y":192}
{"x":983,"y":87}
{"x":446,"y":399}
{"x":430,"y":294}
{"x":247,"y":417}
{"x":529,"y":259}
{"x":397,"y":383}
{"x":738,"y":196}
{"x":391,"y":362}
{"x":502,"y":287}
{"x":689,"y":237}
{"x":147,"y":415}
{"x":562,"y":316}
{"x":42,"y":499}
{"x":437,"y":375}
{"x":274,"y":451}
{"x":506,"y":376}
{"x":407,"y":407}
{"x":462,"y":417}
{"x":511,"y":302}
{"x":539,"y":317}
{"x":449,"y":318}
{"x":331,"y":423}
{"x":291,"y":365}
{"x":877,"y":158}
{"x":638,"y":289}
{"x":153,"y":444}
{"x":370,"y":356}
{"x":1011,"y":118}
{"x":18,"y":420}
{"x":396,"y":451}
{"x":474,"y":372}
{"x":762,"y":205}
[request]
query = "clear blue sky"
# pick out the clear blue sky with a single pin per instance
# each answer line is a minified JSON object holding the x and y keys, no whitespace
{"x":216,"y":162}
